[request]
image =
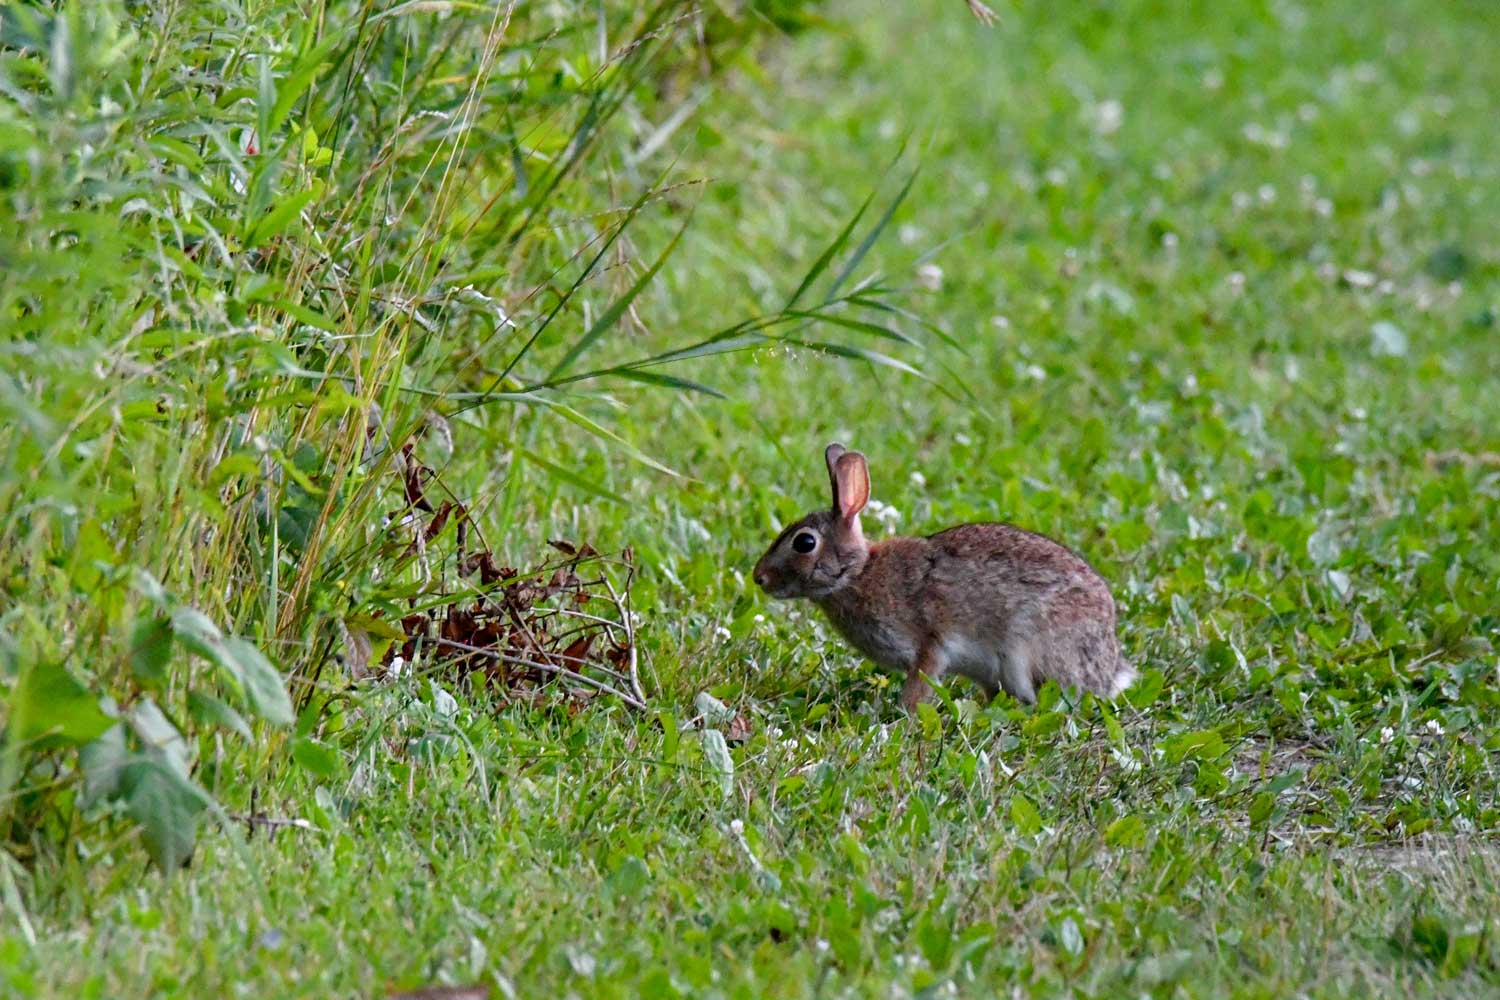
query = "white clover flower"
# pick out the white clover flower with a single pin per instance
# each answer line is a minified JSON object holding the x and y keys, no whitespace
{"x":930,"y":277}
{"x":886,"y":515}
{"x":1108,"y":117}
{"x":1387,"y":735}
{"x":1435,"y":727}
{"x":918,"y":480}
{"x":720,"y":632}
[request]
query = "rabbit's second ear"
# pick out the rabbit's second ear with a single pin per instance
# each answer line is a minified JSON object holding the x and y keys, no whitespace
{"x":831,"y":455}
{"x":851,"y":491}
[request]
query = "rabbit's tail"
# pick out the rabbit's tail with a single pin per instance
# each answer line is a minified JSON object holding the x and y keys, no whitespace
{"x":1125,"y":675}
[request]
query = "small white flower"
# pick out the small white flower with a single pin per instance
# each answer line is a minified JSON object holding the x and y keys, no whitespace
{"x":722,"y":633}
{"x":1036,"y":373}
{"x":1169,"y":242}
{"x":909,"y":234}
{"x":887,"y":516}
{"x":1266,"y":193}
{"x":1055,"y":176}
{"x":1387,"y":735}
{"x":1213,"y":79}
{"x":962,"y":440}
{"x":1359,"y":279}
{"x":1240,"y":200}
{"x":759,"y":619}
{"x":930,"y":277}
{"x":1108,"y":117}
{"x":1323,"y":207}
{"x":1236,"y":281}
{"x":918,"y":480}
{"x":1000,"y":322}
{"x":1435,"y":727}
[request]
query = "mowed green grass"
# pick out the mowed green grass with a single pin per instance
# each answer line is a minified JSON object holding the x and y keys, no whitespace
{"x":1224,"y":280}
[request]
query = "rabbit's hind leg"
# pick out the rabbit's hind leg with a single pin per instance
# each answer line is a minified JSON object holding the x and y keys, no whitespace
{"x":1017,"y":659}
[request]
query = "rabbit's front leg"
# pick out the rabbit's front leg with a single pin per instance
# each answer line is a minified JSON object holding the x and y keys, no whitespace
{"x":929,"y":663}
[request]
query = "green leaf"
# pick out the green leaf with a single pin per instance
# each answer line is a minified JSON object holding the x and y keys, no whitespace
{"x":1127,"y":831}
{"x":210,"y":711}
{"x":318,"y":759}
{"x":1024,"y":815}
{"x":1203,"y":744}
{"x":295,"y":83}
{"x":48,"y":702}
{"x":151,"y":649}
{"x":278,"y":219}
{"x":196,"y":631}
{"x":102,"y":762}
{"x":261,"y":681}
{"x":719,"y":759}
{"x":157,"y":732}
{"x":1261,"y":808}
{"x":165,"y":805}
{"x":246,"y":665}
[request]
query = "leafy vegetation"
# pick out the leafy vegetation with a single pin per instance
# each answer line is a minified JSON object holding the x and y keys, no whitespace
{"x":1209,"y":293}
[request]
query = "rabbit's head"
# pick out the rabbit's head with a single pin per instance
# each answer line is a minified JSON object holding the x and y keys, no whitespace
{"x":825,"y":550}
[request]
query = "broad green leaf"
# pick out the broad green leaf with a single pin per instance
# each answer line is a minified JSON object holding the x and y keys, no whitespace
{"x":211,"y":711}
{"x":262,"y":683}
{"x":151,"y":649}
{"x":1203,"y":744}
{"x":1127,"y":831}
{"x":157,"y":732}
{"x":318,"y":759}
{"x":1024,"y":815}
{"x":102,"y":762}
{"x":165,"y":805}
{"x":196,"y":631}
{"x":48,"y":702}
{"x":717,"y":753}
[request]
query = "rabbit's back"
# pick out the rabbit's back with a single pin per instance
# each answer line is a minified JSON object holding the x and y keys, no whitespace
{"x":1007,"y":608}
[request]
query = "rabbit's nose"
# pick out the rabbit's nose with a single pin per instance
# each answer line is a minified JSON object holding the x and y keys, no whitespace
{"x":761,"y":577}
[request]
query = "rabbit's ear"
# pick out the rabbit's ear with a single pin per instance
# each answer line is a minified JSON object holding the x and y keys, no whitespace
{"x":831,"y":455}
{"x":851,"y":476}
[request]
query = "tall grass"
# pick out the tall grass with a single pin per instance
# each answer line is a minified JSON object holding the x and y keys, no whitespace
{"x":248,"y":254}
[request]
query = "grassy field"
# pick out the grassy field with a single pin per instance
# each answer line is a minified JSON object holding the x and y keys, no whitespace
{"x":1219,"y":286}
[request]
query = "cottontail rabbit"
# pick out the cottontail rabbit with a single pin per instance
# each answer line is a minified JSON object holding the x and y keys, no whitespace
{"x":992,"y":602}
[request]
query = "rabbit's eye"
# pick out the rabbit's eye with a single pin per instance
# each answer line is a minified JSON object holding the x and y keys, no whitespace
{"x":805,"y":542}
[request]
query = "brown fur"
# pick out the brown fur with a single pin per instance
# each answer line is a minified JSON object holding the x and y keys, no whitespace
{"x":1003,"y":606}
